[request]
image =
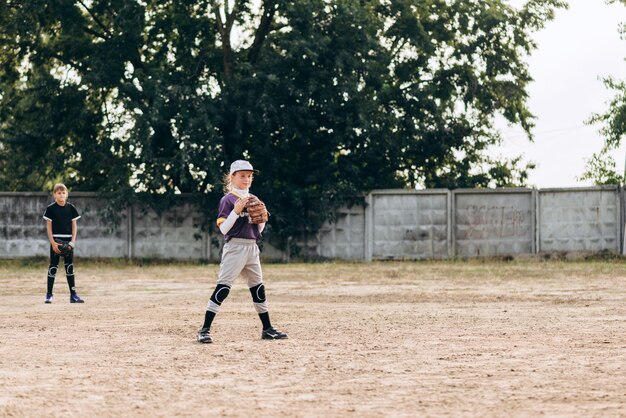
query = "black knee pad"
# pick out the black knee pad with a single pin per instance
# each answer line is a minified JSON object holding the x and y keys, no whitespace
{"x":258,"y":293}
{"x":220,"y":293}
{"x":52,"y":270}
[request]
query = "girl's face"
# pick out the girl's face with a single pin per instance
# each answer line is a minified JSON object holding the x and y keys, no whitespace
{"x":60,"y":196}
{"x":241,"y":179}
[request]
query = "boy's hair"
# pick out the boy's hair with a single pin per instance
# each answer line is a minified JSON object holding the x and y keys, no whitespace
{"x":58,"y":186}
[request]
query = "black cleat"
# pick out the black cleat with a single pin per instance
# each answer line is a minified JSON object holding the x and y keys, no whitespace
{"x":273,"y":334}
{"x":204,"y":336}
{"x":48,"y":297}
{"x":74,"y":298}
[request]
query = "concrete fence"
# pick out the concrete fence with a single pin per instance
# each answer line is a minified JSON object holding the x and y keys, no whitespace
{"x":393,"y":224}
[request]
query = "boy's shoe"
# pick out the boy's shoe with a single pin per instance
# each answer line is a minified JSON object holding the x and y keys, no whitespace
{"x":74,"y":298}
{"x":48,"y":297}
{"x":272,"y":334}
{"x":204,"y":336}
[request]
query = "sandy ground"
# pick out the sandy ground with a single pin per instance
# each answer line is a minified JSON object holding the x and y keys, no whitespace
{"x":395,"y":339}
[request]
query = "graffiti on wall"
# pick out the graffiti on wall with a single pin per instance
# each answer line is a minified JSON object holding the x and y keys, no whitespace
{"x":494,"y":221}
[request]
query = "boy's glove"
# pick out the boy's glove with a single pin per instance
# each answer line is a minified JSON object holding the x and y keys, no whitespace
{"x":257,"y":212}
{"x":65,"y":247}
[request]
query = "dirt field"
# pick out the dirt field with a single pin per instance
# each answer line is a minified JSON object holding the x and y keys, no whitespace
{"x":522,"y":338}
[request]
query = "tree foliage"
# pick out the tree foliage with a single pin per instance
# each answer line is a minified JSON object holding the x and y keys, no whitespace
{"x":601,"y":168}
{"x":327,"y":98}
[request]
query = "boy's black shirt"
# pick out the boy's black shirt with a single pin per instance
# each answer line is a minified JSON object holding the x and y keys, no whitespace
{"x":61,"y":217}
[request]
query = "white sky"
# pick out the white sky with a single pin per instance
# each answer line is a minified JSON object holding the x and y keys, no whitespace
{"x":578,"y":47}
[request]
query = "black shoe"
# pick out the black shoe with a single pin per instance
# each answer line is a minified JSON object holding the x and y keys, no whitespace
{"x":204,"y":336}
{"x":48,"y":297}
{"x":273,"y":334}
{"x":74,"y":298}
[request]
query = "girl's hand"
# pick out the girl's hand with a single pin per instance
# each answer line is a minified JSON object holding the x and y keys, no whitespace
{"x":240,"y":205}
{"x":55,"y":247}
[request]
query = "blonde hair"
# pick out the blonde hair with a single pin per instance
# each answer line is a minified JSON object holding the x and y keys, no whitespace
{"x":228,"y":185}
{"x":228,"y":181}
{"x":58,"y":186}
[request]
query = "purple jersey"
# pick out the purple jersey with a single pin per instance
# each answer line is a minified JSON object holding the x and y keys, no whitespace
{"x":242,"y":228}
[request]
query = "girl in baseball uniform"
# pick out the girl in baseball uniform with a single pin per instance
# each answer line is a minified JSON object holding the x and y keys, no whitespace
{"x":240,"y":254}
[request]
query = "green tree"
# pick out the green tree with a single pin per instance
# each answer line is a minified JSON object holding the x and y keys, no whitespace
{"x":327,"y":98}
{"x":601,"y":168}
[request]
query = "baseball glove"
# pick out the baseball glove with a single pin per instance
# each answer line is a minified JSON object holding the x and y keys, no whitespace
{"x":64,"y":247}
{"x":257,"y":212}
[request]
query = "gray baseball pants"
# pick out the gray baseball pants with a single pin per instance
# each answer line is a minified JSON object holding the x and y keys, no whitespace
{"x":240,"y":256}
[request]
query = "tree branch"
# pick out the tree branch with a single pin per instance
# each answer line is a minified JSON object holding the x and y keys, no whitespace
{"x":224,"y":29}
{"x":230,"y":17}
{"x":269,"y":9}
{"x":95,"y":19}
{"x":218,"y":20}
{"x":95,"y":33}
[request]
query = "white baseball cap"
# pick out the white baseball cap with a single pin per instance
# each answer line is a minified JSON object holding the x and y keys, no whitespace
{"x":240,"y":165}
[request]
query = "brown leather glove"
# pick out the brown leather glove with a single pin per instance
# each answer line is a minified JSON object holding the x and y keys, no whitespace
{"x":257,"y":212}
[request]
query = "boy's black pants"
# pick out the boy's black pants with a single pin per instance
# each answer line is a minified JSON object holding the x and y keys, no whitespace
{"x":68,"y":261}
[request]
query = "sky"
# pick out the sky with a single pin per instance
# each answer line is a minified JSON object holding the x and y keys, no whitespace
{"x":576,"y":49}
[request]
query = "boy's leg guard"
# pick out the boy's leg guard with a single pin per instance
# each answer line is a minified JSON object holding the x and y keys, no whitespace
{"x":52,"y":269}
{"x":52,"y":272}
{"x":69,"y":272}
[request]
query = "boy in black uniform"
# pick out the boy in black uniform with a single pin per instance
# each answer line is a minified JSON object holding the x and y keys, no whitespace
{"x":61,"y":219}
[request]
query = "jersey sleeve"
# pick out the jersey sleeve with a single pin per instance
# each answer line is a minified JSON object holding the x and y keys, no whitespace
{"x":47,"y":215}
{"x":226,"y":206}
{"x":75,"y":214}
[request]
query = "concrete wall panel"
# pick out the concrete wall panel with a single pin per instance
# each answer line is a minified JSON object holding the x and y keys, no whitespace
{"x":409,"y":225}
{"x":95,"y":237}
{"x":579,"y":219}
{"x":23,"y":229}
{"x":172,"y":234}
{"x":493,"y":222}
{"x":344,"y":237}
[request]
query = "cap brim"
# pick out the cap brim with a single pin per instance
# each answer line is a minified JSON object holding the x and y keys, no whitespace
{"x":254,"y":170}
